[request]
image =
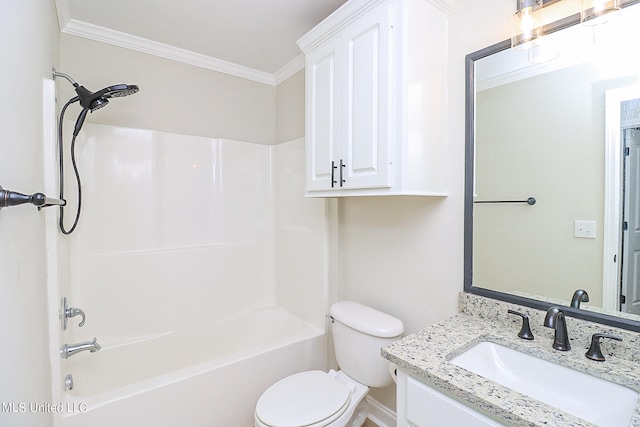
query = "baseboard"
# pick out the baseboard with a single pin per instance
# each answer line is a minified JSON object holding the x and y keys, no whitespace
{"x":380,"y":414}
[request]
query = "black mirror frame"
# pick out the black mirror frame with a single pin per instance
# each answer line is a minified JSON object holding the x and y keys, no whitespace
{"x":470,"y":59}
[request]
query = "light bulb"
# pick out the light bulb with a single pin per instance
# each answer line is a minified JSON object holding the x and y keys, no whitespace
{"x":526,"y":28}
{"x":595,"y":12}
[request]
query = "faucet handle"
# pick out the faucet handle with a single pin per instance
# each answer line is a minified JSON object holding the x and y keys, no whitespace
{"x":525,"y":332}
{"x":72,"y":312}
{"x":594,"y":352}
{"x":68,"y":312}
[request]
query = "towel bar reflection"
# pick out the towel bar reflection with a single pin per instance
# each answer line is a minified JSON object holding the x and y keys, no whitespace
{"x":530,"y":201}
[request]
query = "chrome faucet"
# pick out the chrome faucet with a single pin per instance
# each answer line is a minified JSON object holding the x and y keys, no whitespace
{"x":69,"y":350}
{"x":67,"y":312}
{"x":555,"y":319}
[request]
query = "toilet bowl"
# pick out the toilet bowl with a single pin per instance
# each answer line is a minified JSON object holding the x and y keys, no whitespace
{"x":313,"y":399}
{"x":335,"y":399}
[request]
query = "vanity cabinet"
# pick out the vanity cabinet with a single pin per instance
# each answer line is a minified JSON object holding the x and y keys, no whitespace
{"x":376,"y":99}
{"x":420,"y":405}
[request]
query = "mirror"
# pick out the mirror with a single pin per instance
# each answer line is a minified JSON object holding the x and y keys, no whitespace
{"x":549,"y":182}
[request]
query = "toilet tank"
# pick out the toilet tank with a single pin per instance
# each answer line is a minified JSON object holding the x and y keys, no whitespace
{"x":359,"y":332}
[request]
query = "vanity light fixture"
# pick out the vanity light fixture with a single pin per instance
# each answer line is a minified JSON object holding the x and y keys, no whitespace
{"x":595,"y":12}
{"x":528,"y":31}
{"x":527,"y":27}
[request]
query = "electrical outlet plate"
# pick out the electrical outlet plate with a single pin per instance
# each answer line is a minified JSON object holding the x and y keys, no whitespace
{"x":585,"y":229}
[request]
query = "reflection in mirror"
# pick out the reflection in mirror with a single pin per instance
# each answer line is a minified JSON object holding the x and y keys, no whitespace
{"x":567,"y":133}
{"x":629,"y":295}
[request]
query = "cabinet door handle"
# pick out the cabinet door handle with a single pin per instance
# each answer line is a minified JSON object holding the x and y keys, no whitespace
{"x":333,"y":172}
{"x":342,"y":165}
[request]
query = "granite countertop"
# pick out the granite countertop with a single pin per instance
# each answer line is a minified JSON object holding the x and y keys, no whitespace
{"x":426,"y":355}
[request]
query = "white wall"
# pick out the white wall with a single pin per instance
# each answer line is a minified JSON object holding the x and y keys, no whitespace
{"x":174,"y":97}
{"x":514,"y":161}
{"x":29,"y":46}
{"x":301,"y":238}
{"x":290,"y":108}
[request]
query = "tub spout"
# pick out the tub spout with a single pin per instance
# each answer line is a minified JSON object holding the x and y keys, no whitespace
{"x":69,"y":350}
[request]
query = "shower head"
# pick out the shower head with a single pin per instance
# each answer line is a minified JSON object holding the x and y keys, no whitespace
{"x":96,"y":100}
{"x":92,"y":101}
{"x":89,"y":101}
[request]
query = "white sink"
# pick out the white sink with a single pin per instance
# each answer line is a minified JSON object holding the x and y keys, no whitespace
{"x":593,"y":399}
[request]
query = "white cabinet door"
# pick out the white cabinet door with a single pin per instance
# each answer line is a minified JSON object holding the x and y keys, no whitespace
{"x":366,"y":100}
{"x":348,"y":93}
{"x":376,"y":100}
{"x":323,"y":116}
{"x":422,"y":406}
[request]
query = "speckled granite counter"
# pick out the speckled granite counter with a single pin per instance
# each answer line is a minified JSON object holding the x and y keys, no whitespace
{"x":426,"y":354}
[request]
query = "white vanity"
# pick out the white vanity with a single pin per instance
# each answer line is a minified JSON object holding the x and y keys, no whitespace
{"x":434,"y":389}
{"x":422,"y":405}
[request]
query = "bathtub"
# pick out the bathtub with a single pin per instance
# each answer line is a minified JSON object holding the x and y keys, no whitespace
{"x":209,"y":376}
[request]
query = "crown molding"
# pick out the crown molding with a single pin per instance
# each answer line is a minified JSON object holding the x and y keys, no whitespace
{"x":352,"y":9}
{"x":524,"y":73}
{"x":63,"y":12}
{"x":336,"y":22}
{"x":297,"y":64}
{"x":128,"y":41}
{"x":346,"y":14}
{"x":443,"y":5}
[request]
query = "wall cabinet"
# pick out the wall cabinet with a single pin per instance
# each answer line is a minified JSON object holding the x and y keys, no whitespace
{"x":376,"y":99}
{"x":420,"y":406}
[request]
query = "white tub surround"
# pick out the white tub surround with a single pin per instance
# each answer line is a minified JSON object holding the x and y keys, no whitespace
{"x":182,"y":263}
{"x":425,"y":355}
{"x":168,"y":221}
{"x":177,"y":222}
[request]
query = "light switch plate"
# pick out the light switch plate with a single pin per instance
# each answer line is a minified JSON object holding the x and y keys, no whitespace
{"x":585,"y":229}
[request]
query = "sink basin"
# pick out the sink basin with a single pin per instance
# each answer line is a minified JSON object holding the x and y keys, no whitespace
{"x":593,"y":399}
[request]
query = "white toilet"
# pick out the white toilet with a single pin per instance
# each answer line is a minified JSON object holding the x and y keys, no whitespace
{"x":335,"y":399}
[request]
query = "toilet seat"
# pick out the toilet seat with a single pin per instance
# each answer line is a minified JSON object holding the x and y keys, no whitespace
{"x":309,"y":399}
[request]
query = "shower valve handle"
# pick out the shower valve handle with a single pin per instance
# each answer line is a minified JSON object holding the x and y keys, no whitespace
{"x":69,"y":312}
{"x":13,"y":198}
{"x":72,"y":312}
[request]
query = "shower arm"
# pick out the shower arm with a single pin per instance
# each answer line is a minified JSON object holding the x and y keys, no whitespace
{"x":13,"y":198}
{"x":65,"y":76}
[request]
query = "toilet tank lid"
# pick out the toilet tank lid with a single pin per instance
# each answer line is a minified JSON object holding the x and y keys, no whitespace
{"x":366,"y":319}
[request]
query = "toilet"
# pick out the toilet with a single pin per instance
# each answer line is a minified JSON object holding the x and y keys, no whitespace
{"x":335,"y":399}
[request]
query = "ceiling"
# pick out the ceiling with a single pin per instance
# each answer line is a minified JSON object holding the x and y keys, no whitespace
{"x":254,"y":39}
